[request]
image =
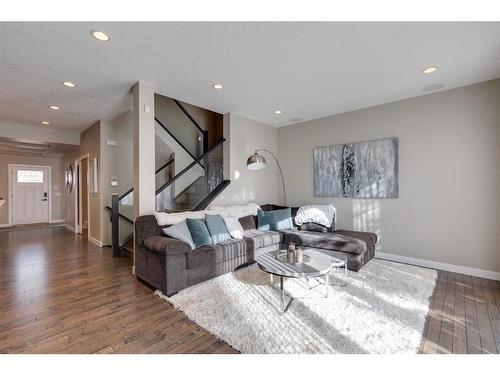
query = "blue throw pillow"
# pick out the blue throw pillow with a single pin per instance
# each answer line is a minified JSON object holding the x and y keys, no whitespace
{"x":199,"y":232}
{"x":282,"y":219}
{"x":275,"y":220}
{"x":217,"y":228}
{"x":264,"y":220}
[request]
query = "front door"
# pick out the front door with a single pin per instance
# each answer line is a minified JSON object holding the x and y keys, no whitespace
{"x":30,"y":194}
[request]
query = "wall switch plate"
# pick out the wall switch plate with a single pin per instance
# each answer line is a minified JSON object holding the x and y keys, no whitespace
{"x":147,"y":108}
{"x":110,"y":142}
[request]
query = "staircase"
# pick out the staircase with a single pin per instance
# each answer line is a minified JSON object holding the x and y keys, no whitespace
{"x":189,"y":178}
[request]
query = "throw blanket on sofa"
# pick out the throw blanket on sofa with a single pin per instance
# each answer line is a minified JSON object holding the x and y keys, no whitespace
{"x":324,"y":214}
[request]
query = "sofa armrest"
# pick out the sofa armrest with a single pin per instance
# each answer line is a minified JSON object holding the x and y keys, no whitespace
{"x":166,"y":245}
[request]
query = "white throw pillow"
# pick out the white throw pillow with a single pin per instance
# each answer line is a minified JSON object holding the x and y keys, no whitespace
{"x":164,"y":218}
{"x":234,"y":227}
{"x":181,"y":232}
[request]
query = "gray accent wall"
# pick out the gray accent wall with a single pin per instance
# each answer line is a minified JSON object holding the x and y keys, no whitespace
{"x":448,"y":208}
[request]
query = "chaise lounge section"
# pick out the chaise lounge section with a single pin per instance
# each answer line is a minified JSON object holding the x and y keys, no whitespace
{"x":170,"y":265}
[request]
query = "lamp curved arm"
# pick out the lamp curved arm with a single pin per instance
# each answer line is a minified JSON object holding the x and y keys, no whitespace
{"x":281,"y":173}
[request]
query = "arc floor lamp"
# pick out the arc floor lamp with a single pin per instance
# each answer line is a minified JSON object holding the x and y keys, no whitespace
{"x":257,"y":161}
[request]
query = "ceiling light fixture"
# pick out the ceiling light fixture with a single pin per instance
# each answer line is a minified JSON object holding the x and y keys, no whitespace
{"x":45,"y":123}
{"x":430,"y":69}
{"x":54,"y":107}
{"x":278,"y":112}
{"x":68,"y":84}
{"x":218,"y":86}
{"x":100,"y":35}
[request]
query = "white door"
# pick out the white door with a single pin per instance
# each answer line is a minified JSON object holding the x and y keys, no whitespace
{"x":30,"y":194}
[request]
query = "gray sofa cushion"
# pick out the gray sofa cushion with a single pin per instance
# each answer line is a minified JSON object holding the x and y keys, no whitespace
{"x":166,"y":245}
{"x":338,"y":240}
{"x":256,"y":239}
{"x":207,"y":256}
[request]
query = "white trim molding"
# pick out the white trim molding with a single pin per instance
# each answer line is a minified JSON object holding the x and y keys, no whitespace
{"x":5,"y":225}
{"x":439,"y":266}
{"x":69,"y":227}
{"x":57,"y":221}
{"x":94,"y":241}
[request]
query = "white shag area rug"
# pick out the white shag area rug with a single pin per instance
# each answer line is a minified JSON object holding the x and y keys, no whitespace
{"x":381,"y":310}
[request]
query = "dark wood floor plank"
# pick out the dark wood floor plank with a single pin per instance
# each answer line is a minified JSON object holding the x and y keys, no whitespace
{"x":488,"y":344}
{"x":471,"y":323}
{"x":447,"y":322}
{"x":459,"y":333}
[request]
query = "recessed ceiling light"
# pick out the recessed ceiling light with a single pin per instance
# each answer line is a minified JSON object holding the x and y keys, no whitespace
{"x":218,"y":86}
{"x":430,"y":69}
{"x":45,"y":123}
{"x":68,"y":84}
{"x":54,"y":107}
{"x":100,"y":35}
{"x":278,"y":112}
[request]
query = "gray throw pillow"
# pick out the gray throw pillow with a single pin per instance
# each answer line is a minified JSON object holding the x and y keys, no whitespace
{"x":217,"y":228}
{"x":181,"y":232}
{"x":199,"y":232}
{"x":247,"y":222}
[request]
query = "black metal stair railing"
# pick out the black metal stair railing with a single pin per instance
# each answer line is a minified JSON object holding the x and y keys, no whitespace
{"x":210,"y":182}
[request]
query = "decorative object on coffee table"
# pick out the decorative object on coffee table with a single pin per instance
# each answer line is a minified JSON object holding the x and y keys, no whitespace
{"x":257,"y":161}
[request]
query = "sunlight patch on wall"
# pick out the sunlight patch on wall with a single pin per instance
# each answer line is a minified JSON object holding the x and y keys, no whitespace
{"x":366,"y":214}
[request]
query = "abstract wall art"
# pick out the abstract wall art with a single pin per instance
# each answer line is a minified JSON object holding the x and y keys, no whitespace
{"x":357,"y":170}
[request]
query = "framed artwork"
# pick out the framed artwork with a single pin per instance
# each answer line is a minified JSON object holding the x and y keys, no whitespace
{"x":358,"y":170}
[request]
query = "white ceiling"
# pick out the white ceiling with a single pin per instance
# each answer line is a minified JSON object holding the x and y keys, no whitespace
{"x":308,"y":70}
{"x":10,"y":146}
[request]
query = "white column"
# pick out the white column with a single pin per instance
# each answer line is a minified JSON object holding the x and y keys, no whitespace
{"x":144,"y":149}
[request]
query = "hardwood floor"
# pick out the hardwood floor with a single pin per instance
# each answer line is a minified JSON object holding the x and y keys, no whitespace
{"x":464,"y":316}
{"x":61,"y":294}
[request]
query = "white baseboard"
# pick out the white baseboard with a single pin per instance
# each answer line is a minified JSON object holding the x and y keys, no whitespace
{"x":57,"y":221}
{"x":94,"y":241}
{"x":439,"y":266}
{"x":5,"y":225}
{"x":69,"y":227}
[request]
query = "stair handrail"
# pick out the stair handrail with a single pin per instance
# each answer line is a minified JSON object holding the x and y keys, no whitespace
{"x":174,"y":137}
{"x":195,"y":123}
{"x":204,"y":132}
{"x":158,"y":170}
{"x":196,"y":161}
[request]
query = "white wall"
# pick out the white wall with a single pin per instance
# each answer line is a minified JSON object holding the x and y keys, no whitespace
{"x":449,"y":150}
{"x":243,"y":136}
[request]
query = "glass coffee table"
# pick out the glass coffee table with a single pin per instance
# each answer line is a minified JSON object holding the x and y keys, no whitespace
{"x":317,"y":264}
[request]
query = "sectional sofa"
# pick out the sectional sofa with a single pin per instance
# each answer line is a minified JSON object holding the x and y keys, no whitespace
{"x":170,"y":265}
